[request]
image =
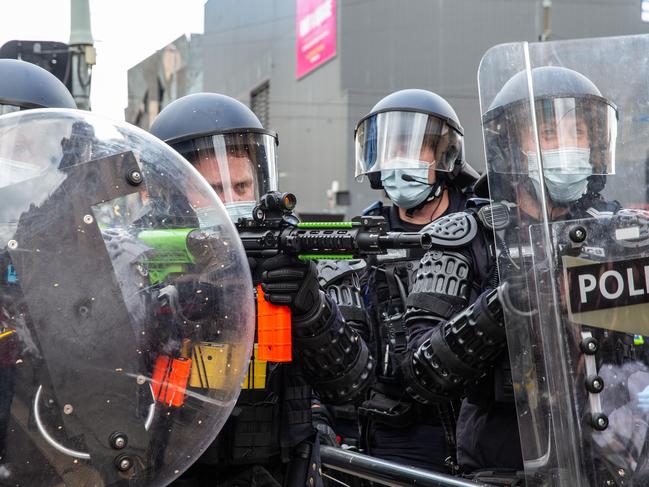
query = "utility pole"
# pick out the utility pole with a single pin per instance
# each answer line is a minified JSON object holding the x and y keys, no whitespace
{"x":82,"y":53}
{"x":547,"y":6}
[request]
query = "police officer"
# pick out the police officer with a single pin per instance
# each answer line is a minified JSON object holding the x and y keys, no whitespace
{"x":411,"y":146}
{"x":22,"y":86}
{"x":226,"y":142}
{"x":466,"y":351}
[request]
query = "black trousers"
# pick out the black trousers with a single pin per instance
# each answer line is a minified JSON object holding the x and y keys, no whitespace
{"x":487,"y":437}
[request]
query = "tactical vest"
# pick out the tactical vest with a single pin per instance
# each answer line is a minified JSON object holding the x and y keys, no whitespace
{"x":272,"y":415}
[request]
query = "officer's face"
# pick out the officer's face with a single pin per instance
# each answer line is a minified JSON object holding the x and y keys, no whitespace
{"x":237,"y":185}
{"x":570,"y":132}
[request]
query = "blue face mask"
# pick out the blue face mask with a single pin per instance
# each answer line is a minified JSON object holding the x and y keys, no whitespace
{"x":564,"y":182}
{"x":406,"y":194}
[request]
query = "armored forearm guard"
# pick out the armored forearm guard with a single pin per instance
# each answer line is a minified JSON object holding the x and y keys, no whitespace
{"x":458,"y":351}
{"x":352,"y":309}
{"x":333,"y":354}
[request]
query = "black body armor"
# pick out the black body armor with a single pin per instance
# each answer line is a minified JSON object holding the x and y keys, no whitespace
{"x":395,"y":425}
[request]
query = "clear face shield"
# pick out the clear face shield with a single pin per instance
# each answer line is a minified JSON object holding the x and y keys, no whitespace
{"x":576,"y":140}
{"x":407,"y":141}
{"x":239,"y":166}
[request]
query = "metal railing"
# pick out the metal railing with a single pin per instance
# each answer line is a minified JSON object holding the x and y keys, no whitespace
{"x":386,"y":472}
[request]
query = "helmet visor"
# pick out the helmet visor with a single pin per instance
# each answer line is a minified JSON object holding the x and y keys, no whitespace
{"x":576,"y":135}
{"x":405,"y":140}
{"x":240,"y":167}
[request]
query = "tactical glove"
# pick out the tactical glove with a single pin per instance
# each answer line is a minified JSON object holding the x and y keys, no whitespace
{"x":287,"y":280}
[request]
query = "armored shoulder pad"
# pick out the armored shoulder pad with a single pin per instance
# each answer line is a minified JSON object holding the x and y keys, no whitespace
{"x":332,"y":271}
{"x":452,"y":231}
{"x":374,"y":209}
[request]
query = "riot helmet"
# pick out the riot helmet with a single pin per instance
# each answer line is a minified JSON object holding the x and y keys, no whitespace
{"x":24,"y":86}
{"x":405,"y":136}
{"x":575,"y":126}
{"x":225,"y":141}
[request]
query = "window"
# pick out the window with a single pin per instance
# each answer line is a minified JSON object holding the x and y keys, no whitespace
{"x":260,"y":103}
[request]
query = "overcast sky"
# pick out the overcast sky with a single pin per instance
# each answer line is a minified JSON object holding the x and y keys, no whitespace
{"x":125,"y":32}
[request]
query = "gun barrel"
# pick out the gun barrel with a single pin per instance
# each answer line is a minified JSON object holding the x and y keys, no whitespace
{"x":399,"y":240}
{"x":353,"y":241}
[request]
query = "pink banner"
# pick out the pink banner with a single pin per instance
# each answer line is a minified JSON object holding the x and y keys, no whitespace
{"x":315,"y":33}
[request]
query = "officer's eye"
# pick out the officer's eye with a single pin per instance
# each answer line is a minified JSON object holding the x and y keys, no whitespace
{"x":549,"y":133}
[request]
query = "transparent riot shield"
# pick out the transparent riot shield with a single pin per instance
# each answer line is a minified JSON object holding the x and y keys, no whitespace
{"x":565,"y":130}
{"x":125,"y":326}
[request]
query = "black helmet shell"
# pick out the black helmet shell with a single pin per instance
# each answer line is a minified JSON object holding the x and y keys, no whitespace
{"x":416,"y":100}
{"x":28,"y":86}
{"x":547,"y":82}
{"x":203,"y":114}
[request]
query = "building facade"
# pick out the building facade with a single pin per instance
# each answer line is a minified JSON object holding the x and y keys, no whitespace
{"x":248,"y":51}
{"x":173,"y":71}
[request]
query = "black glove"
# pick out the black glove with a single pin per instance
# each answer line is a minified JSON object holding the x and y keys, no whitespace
{"x":289,"y":281}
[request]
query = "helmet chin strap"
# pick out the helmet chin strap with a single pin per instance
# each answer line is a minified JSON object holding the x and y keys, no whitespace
{"x":436,"y":189}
